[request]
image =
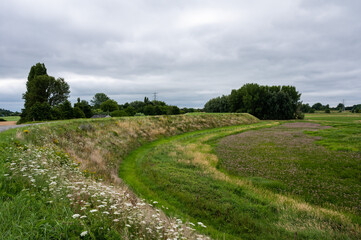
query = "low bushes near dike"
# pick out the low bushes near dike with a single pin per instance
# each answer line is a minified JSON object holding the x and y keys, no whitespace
{"x":47,"y":193}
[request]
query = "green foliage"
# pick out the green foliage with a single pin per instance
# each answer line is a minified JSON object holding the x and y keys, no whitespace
{"x":305,"y":108}
{"x":218,"y":104}
{"x":78,"y":113}
{"x":40,"y":112}
{"x":2,"y":120}
{"x":85,"y":107}
{"x":98,"y":99}
{"x":119,"y":113}
{"x":40,"y":89}
{"x":66,"y":110}
{"x":264,"y":102}
{"x":5,"y":113}
{"x":109,"y":106}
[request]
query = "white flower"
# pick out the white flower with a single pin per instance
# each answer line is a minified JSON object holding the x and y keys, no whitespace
{"x":6,"y":174}
{"x":82,"y":217}
{"x":127,"y":225}
{"x":105,"y":212}
{"x":93,"y":210}
{"x":116,"y":220}
{"x":76,"y":215}
{"x":83,"y":233}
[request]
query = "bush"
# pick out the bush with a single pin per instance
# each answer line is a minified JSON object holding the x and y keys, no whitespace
{"x":2,"y":120}
{"x":78,"y":113}
{"x":327,"y":111}
{"x":118,"y":113}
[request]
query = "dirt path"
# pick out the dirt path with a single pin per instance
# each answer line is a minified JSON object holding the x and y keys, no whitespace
{"x":10,"y":124}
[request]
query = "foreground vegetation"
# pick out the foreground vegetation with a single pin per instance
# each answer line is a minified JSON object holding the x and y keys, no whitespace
{"x":287,"y":187}
{"x":59,"y":180}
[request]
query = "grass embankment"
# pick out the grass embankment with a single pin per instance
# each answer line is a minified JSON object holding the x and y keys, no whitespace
{"x":50,"y":186}
{"x":292,"y":196}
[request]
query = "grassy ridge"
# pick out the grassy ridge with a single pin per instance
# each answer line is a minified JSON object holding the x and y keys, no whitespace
{"x":47,"y":194}
{"x":100,"y":145}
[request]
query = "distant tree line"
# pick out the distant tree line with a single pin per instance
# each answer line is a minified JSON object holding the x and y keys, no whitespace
{"x":7,"y":113}
{"x":306,"y":108}
{"x":264,"y":102}
{"x":46,"y":98}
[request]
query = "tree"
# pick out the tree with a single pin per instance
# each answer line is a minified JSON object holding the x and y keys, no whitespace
{"x":42,"y":88}
{"x":85,"y":107}
{"x":98,"y":99}
{"x":318,"y":106}
{"x":58,"y":91}
{"x":66,"y":110}
{"x":78,"y":113}
{"x":264,"y":102}
{"x":109,"y":106}
{"x":340,"y":107}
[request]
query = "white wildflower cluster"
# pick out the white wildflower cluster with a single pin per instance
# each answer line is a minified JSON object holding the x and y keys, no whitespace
{"x":54,"y":174}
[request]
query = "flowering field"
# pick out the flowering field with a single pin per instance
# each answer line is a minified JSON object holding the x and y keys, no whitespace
{"x":49,"y":190}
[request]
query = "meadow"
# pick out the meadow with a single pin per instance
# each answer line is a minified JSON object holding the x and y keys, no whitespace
{"x":59,"y":181}
{"x":195,"y":176}
{"x":11,"y":118}
{"x":267,"y":182}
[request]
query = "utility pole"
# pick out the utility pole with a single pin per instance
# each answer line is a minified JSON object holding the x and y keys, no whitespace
{"x":155,"y":96}
{"x":343,"y":102}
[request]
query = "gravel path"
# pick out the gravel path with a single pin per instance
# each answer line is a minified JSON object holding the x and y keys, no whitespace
{"x":7,"y":127}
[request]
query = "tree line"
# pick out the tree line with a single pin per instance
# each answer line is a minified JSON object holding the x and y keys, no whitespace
{"x":46,"y":98}
{"x":264,"y":102}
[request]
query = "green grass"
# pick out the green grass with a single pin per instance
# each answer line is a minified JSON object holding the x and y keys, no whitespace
{"x":32,"y":162}
{"x":181,"y":173}
{"x":285,"y":160}
{"x":11,"y":118}
{"x":345,"y":134}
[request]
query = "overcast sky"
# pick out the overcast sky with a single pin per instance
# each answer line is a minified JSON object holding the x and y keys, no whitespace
{"x":187,"y":51}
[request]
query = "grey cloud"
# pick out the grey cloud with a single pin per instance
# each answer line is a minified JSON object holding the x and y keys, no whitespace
{"x":188,"y":51}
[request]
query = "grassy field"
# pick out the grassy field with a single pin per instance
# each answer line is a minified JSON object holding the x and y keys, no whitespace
{"x":60,"y":180}
{"x":12,"y":118}
{"x":270,"y":183}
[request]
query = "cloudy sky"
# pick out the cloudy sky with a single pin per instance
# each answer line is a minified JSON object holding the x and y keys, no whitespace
{"x":187,"y":51}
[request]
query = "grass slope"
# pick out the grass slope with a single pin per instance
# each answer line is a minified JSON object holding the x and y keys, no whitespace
{"x":49,"y":188}
{"x":183,"y":174}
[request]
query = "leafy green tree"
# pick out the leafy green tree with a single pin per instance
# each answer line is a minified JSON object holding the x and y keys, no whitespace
{"x":305,"y":108}
{"x":318,"y":106}
{"x":264,"y":102}
{"x":173,"y":110}
{"x":130,"y":111}
{"x":149,"y":110}
{"x":40,"y":112}
{"x":109,"y":106}
{"x":118,"y":113}
{"x":98,"y":99}
{"x":85,"y":107}
{"x":58,"y":91}
{"x":42,"y":88}
{"x":66,"y":110}
{"x":78,"y":113}
{"x":340,"y":107}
